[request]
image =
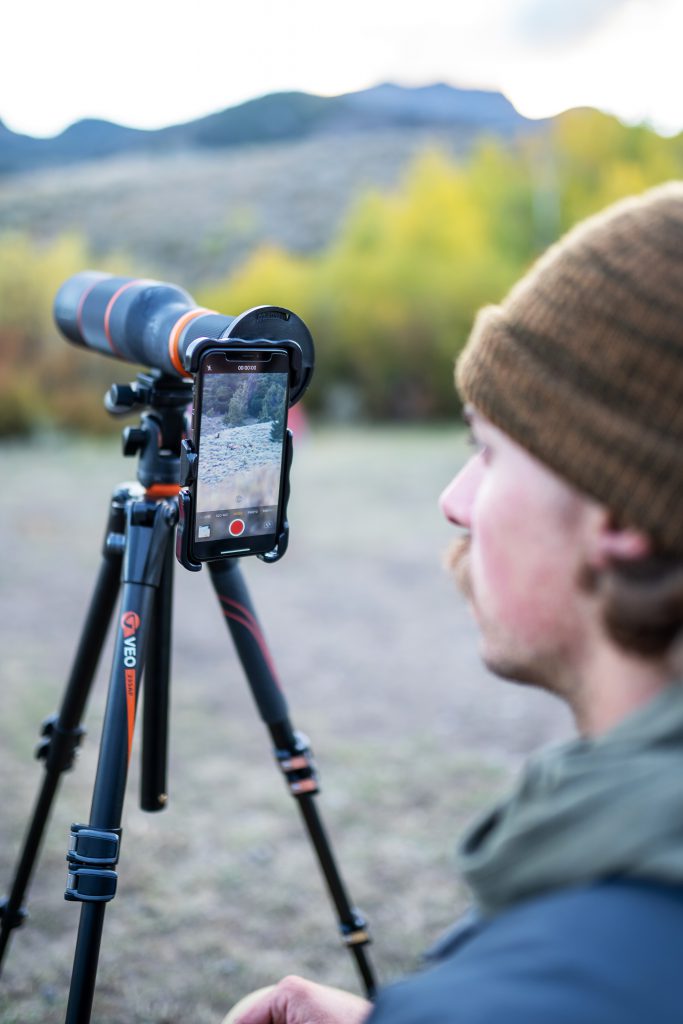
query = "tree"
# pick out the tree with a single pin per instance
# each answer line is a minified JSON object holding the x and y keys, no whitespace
{"x":273,"y":409}
{"x":237,"y":409}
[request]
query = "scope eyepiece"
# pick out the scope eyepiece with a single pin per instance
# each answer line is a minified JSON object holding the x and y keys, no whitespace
{"x":153,"y":324}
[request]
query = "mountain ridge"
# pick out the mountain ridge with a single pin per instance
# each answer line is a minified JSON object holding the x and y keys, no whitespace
{"x":275,"y":117}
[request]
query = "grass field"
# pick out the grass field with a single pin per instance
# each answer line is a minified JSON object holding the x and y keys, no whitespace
{"x":220,"y":894}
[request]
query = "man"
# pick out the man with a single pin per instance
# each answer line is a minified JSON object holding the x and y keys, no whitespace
{"x":572,"y":563}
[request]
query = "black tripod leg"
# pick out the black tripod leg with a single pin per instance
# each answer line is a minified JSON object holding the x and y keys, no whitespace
{"x":95,"y":848}
{"x":156,"y":690}
{"x":291,"y":748}
{"x":62,"y":732}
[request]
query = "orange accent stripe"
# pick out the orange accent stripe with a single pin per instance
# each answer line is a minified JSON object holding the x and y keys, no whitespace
{"x":108,"y":311}
{"x":304,"y":786}
{"x":250,"y":623}
{"x":177,"y":330}
{"x":296,"y":764}
{"x":129,"y":674}
{"x":162,"y":491}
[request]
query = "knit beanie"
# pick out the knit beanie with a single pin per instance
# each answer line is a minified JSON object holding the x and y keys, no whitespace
{"x":582,"y":363}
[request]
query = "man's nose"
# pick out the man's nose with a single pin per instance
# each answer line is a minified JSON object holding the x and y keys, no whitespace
{"x":457,"y":499}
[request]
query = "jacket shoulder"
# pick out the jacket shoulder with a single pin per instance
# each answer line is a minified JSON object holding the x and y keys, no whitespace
{"x":602,"y":954}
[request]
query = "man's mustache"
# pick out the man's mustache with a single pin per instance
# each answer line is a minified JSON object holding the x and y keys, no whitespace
{"x":457,"y":561}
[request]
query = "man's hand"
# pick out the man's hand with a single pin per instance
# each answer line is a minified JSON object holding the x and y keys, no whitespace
{"x":297,"y":1001}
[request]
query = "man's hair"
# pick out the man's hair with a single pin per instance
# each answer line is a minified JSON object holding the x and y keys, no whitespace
{"x":642,"y":603}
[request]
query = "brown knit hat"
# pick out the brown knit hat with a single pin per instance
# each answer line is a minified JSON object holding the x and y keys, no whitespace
{"x":582,"y":363}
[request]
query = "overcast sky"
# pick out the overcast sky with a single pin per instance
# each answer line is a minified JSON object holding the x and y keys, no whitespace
{"x":150,"y":63}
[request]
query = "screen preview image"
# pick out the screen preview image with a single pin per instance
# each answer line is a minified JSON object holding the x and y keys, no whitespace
{"x":240,"y":453}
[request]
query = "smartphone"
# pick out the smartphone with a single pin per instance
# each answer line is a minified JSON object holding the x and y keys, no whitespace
{"x":239,"y":423}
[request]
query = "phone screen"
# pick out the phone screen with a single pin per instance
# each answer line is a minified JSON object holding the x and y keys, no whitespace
{"x":242,"y":423}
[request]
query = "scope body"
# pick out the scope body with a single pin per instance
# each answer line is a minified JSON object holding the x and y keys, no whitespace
{"x":153,"y":324}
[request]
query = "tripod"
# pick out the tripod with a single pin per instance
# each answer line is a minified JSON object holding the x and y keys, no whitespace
{"x":138,"y":560}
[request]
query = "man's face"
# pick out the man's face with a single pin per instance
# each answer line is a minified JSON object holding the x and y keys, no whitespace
{"x":528,"y":537}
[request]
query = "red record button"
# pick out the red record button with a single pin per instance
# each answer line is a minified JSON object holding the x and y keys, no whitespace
{"x":236,"y":527}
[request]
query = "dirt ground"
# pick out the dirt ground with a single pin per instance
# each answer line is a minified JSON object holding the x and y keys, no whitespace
{"x":219,"y":894}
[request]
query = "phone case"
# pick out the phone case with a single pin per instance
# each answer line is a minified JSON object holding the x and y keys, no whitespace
{"x":186,"y":499}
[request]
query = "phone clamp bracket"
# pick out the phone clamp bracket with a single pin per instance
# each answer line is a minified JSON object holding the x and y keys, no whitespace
{"x":300,"y":361}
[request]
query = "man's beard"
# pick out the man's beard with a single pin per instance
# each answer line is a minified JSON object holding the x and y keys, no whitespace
{"x":506,"y":663}
{"x":457,"y":560}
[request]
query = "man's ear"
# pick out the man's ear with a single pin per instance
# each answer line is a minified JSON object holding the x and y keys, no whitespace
{"x":617,"y":543}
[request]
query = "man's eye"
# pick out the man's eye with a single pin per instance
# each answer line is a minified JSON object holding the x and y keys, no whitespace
{"x":478,"y":446}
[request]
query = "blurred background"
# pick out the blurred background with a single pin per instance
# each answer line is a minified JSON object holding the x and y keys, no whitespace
{"x":380,"y":174}
{"x":384,"y":170}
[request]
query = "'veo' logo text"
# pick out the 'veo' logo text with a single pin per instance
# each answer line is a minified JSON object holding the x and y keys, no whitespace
{"x":130,"y":623}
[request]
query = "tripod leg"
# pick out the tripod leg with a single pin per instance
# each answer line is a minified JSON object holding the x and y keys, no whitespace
{"x":62,"y":731}
{"x":291,"y":748}
{"x":156,"y":689}
{"x":95,"y":848}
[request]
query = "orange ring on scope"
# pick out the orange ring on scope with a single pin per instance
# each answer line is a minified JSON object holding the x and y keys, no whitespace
{"x":110,"y":307}
{"x":177,"y":330}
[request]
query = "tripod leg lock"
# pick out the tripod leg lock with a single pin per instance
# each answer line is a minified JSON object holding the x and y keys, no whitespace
{"x":58,"y":747}
{"x":355,"y":931}
{"x":298,"y":766}
{"x":12,"y":918}
{"x":91,"y":859}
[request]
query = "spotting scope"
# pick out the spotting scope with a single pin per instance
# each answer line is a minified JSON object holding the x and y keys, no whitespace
{"x":153,"y":324}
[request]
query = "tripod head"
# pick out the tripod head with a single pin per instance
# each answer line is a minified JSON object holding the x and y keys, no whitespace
{"x":166,"y":457}
{"x":163,"y":401}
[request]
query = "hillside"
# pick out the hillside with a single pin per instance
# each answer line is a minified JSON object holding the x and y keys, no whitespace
{"x":193,"y":216}
{"x":190,"y":202}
